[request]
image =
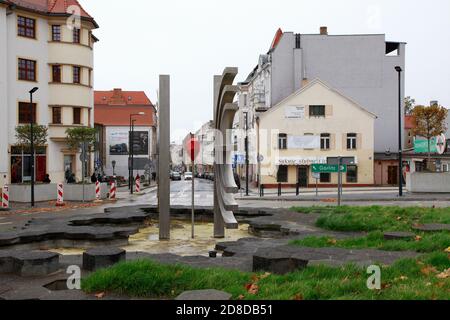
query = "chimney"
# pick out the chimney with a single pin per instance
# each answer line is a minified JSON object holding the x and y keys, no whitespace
{"x":324,"y":31}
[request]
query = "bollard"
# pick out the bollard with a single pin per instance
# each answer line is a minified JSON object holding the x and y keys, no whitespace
{"x":138,"y":184}
{"x":297,"y":191}
{"x":5,"y":197}
{"x":60,"y":195}
{"x":279,"y":189}
{"x":112,"y":192}
{"x":97,"y":191}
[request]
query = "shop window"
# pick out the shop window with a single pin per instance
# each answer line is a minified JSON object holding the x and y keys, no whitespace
{"x":352,"y":174}
{"x":282,"y":175}
{"x":325,"y":177}
{"x":21,"y":165}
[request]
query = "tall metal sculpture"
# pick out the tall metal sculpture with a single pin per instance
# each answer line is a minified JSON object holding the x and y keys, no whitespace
{"x":224,"y":184}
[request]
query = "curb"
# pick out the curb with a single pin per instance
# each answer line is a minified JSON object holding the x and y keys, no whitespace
{"x":343,"y":200}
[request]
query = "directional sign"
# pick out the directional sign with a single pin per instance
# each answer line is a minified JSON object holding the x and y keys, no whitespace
{"x":327,"y":168}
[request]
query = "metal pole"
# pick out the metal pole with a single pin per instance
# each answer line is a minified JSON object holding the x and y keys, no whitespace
{"x":339,"y":180}
{"x":317,"y":187}
{"x":132,"y":157}
{"x":247,"y":162}
{"x":83,"y":167}
{"x":400,"y":144}
{"x":129,"y":157}
{"x":32,"y":149}
{"x":193,"y":188}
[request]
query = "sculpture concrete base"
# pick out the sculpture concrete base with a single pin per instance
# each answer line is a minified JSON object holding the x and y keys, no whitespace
{"x":99,"y":258}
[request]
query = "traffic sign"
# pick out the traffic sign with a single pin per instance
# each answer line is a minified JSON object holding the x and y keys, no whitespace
{"x":327,"y":168}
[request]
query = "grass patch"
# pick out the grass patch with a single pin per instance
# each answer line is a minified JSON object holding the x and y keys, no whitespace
{"x":407,"y":279}
{"x":376,"y":218}
{"x":427,"y":242}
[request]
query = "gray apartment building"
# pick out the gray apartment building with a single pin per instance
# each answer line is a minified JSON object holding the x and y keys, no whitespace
{"x":361,"y":66}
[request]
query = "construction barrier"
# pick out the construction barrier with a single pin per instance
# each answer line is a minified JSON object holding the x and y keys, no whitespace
{"x":112,"y":192}
{"x":60,"y":195}
{"x":138,"y":184}
{"x":5,"y":197}
{"x":97,"y":191}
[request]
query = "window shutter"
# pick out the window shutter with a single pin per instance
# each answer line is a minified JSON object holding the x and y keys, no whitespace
{"x":344,"y":141}
{"x":307,"y":112}
{"x":359,"y":141}
{"x":329,"y":111}
{"x":333,"y":141}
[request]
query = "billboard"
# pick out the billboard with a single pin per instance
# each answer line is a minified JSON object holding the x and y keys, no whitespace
{"x":437,"y":145}
{"x":118,"y":143}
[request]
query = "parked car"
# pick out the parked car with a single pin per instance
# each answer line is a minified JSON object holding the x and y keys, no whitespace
{"x":211,"y":176}
{"x":187,"y":176}
{"x":176,"y":176}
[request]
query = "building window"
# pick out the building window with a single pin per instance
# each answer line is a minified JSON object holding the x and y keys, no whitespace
{"x":90,"y":78}
{"x":76,"y":35}
{"x":76,"y":74}
{"x":56,"y":33}
{"x":76,"y":115}
{"x":325,"y":177}
{"x":56,"y":72}
{"x":325,"y":139}
{"x":351,"y":141}
{"x":25,"y":113}
{"x":352,"y":174}
{"x":27,"y":70}
{"x":282,"y":141}
{"x":282,"y":175}
{"x":26,"y":27}
{"x":317,"y":111}
{"x":56,"y":115}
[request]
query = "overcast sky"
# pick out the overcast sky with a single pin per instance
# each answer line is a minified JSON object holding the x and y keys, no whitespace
{"x":193,"y":40}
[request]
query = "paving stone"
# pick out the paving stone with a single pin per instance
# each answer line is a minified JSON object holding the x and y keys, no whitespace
{"x":102,"y":257}
{"x":281,"y":260}
{"x":432,"y":227}
{"x":36,"y":263}
{"x":399,"y":236}
{"x":204,"y":295}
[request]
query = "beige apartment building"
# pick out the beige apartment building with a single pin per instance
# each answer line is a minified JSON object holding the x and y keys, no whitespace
{"x":315,"y":125}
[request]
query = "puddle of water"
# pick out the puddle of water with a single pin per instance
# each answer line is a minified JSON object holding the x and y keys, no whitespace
{"x":147,"y":240}
{"x":181,"y":243}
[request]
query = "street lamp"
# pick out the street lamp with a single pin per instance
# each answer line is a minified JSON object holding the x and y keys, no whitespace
{"x":130,"y":152}
{"x":400,"y":144}
{"x":32,"y":143}
{"x":246,"y":155}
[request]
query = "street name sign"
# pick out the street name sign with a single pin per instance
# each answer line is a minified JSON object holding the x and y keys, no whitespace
{"x":327,"y":168}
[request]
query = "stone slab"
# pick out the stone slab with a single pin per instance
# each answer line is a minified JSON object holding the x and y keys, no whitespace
{"x":204,"y":295}
{"x":432,"y":227}
{"x":399,"y":236}
{"x":102,"y":257}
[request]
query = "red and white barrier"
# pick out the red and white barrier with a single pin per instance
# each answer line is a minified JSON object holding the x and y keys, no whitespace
{"x":97,"y":191}
{"x":5,"y":197}
{"x":60,"y":195}
{"x":112,"y":192}
{"x":138,"y":184}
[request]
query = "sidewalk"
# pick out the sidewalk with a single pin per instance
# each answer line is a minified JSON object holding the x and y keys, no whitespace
{"x":349,"y":194}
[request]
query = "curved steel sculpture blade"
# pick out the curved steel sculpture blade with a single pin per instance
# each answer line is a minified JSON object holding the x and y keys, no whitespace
{"x":224,"y":184}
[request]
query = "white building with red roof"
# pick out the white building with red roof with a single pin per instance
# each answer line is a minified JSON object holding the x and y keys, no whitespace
{"x":114,"y":110}
{"x":48,"y":45}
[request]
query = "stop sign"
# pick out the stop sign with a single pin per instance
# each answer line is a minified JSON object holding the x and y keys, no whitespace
{"x":193,"y":148}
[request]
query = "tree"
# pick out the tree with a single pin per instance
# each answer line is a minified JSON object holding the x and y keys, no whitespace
{"x":79,"y":137}
{"x":410,"y":103}
{"x":429,"y":122}
{"x":23,"y":136}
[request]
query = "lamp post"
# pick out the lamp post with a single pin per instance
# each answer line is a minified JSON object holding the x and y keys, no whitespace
{"x":400,"y":144}
{"x":32,"y":144}
{"x":246,"y":155}
{"x":130,"y":151}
